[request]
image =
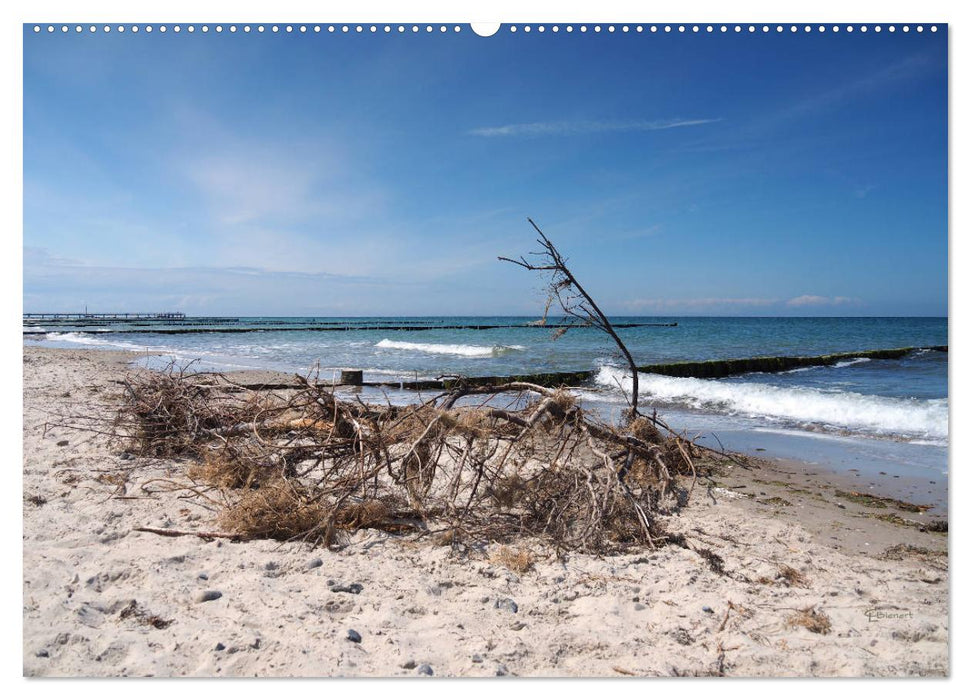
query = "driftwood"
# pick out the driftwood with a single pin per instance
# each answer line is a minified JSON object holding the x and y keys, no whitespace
{"x":471,"y":464}
{"x":186,"y":533}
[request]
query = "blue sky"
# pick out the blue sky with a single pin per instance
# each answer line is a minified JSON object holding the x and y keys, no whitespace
{"x":765,"y":174}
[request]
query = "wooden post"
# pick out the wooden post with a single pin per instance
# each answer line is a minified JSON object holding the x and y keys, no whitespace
{"x":354,"y":377}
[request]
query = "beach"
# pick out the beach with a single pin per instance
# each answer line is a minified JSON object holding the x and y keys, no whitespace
{"x":820,"y":576}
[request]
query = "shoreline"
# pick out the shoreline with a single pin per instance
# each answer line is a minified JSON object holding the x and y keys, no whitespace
{"x":814,"y":453}
{"x":641,"y":613}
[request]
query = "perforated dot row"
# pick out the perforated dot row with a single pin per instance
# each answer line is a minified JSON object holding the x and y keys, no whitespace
{"x":249,"y":28}
{"x":428,"y":28}
{"x":709,"y":28}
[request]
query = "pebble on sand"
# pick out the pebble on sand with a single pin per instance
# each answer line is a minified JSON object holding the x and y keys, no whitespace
{"x":354,"y":636}
{"x":507,"y":604}
{"x":315,"y":563}
{"x":206,"y":596}
{"x":425,"y":670}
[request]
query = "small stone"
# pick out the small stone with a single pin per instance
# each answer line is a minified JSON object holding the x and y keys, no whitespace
{"x":315,"y":563}
{"x":206,"y":596}
{"x":477,"y":658}
{"x":425,"y":670}
{"x":271,"y":566}
{"x":43,"y":654}
{"x":409,"y":664}
{"x":126,"y":456}
{"x":63,"y":443}
{"x":354,"y":636}
{"x":708,"y":610}
{"x":506,"y":604}
{"x":840,"y":505}
{"x":517,"y":626}
{"x":570,"y":595}
{"x":220,"y":646}
{"x":501,"y":670}
{"x":639,"y":606}
{"x":203,"y":575}
{"x":354,"y":588}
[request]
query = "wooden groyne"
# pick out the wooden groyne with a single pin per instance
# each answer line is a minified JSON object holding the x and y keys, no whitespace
{"x":711,"y":369}
{"x":716,"y":369}
{"x":182,"y":330}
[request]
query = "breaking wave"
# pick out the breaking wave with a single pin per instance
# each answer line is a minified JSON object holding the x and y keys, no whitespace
{"x":92,"y":341}
{"x":446,"y":349}
{"x":925,"y":419}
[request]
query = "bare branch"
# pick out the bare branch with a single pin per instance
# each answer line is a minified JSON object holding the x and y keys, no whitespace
{"x":577,"y":303}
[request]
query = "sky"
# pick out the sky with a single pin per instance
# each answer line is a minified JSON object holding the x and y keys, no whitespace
{"x":382,"y":174}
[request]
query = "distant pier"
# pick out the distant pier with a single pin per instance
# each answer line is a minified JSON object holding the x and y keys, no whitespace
{"x":164,"y":316}
{"x":129,"y":320}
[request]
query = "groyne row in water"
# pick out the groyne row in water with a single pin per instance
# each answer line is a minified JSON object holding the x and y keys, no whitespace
{"x":710,"y":369}
{"x":716,"y":369}
{"x":333,"y":328}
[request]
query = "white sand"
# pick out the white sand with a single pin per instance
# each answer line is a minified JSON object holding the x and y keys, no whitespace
{"x":647,"y":613}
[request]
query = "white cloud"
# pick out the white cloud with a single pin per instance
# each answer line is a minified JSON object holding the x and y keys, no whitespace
{"x":814,"y":300}
{"x":664,"y":305}
{"x":585,"y":127}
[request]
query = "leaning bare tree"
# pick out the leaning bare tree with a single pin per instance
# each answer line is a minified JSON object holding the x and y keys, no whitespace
{"x":574,"y":301}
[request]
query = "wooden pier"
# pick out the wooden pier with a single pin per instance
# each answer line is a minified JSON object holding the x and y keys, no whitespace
{"x":164,"y":316}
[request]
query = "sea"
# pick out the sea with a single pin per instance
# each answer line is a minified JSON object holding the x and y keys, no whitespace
{"x":865,"y":415}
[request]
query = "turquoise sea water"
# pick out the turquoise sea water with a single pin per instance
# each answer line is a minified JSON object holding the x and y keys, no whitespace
{"x":881,"y":404}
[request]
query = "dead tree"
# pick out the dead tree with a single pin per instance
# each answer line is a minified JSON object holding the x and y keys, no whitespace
{"x":575,"y":302}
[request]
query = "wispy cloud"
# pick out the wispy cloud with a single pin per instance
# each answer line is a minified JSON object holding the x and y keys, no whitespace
{"x":585,"y":127}
{"x":814,"y":300}
{"x":710,"y":303}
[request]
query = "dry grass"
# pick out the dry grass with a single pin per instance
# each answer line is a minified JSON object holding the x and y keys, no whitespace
{"x":518,"y":560}
{"x":793,"y":577}
{"x":275,"y":511}
{"x":812,"y":619}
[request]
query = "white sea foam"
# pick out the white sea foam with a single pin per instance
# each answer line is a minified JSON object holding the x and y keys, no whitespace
{"x":447,"y":349}
{"x":92,"y":340}
{"x":909,"y":418}
{"x":854,"y":361}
